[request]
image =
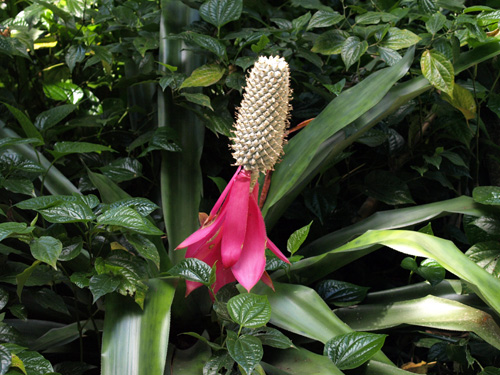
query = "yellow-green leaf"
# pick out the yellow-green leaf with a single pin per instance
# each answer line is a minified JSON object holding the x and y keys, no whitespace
{"x":399,"y":38}
{"x":463,"y":100}
{"x":438,"y":70}
{"x":204,"y":76}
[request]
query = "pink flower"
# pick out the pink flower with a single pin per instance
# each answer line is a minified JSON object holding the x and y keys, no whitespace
{"x":234,"y":236}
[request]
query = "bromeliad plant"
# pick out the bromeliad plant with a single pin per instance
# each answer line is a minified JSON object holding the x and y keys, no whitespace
{"x":234,"y":234}
{"x":378,"y":79}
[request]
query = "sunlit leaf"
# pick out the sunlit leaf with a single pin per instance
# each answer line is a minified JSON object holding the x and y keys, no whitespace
{"x":438,"y":70}
{"x":204,"y":76}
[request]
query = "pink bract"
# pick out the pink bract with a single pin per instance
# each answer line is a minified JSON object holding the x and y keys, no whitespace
{"x":233,"y":236}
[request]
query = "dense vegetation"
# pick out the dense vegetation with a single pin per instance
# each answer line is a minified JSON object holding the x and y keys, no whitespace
{"x":115,"y":121}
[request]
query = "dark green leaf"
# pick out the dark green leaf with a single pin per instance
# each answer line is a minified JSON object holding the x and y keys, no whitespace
{"x":164,"y":138}
{"x":435,"y":23}
{"x":9,"y":228}
{"x":22,"y":278}
{"x":67,"y":212}
{"x":487,"y":195}
{"x":352,"y":50}
{"x":249,"y":310}
{"x":192,"y":269}
{"x":310,"y":4}
{"x":128,"y":218}
{"x":53,"y":116}
{"x":341,"y":293}
{"x":80,"y":279}
{"x":330,"y":42}
{"x":489,"y":370}
{"x":369,"y":18}
{"x":299,"y":23}
{"x":144,"y":247}
{"x":387,"y":188}
{"x":351,"y":350}
{"x":271,"y":337}
{"x":204,"y":76}
{"x":9,"y":334}
{"x":29,"y":129}
{"x":245,"y":350}
{"x":19,"y":311}
{"x":142,"y":205}
{"x":438,"y":70}
{"x":487,"y":256}
{"x":46,"y":249}
{"x":390,"y":56}
{"x":399,"y":38}
{"x":103,"y":284}
{"x":64,"y":91}
{"x":67,"y":148}
{"x":297,"y":238}
{"x":198,"y":98}
{"x":427,"y":6}
{"x":74,"y":55}
{"x":432,"y":271}
{"x":19,"y":185}
{"x":220,"y":12}
{"x":123,"y":169}
{"x":409,"y":264}
{"x":217,"y":362}
{"x":207,"y":42}
{"x":35,"y":363}
{"x":5,"y":360}
{"x":49,"y":299}
{"x":10,"y":141}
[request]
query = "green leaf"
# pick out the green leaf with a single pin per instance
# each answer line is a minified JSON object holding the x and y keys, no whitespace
{"x":220,"y":12}
{"x":68,"y":212}
{"x":35,"y":363}
{"x":207,"y":42}
{"x":397,"y":39}
{"x":193,"y":269}
{"x":438,"y":70}
{"x":386,"y":187}
{"x":144,"y":247}
{"x":330,"y":42}
{"x":489,"y":370}
{"x":299,"y":22}
{"x":53,"y":116}
{"x":19,"y":185}
{"x":341,"y":293}
{"x":432,"y":271}
{"x":29,"y":129}
{"x":128,"y":218}
{"x":49,"y":299}
{"x":487,"y":256}
{"x":249,"y":310}
{"x":23,"y":277}
{"x":142,"y":205}
{"x":6,"y":142}
{"x":122,"y":169}
{"x":352,"y":349}
{"x":71,"y":250}
{"x":297,"y":238}
{"x":489,"y":195}
{"x":204,"y":76}
{"x":435,"y":23}
{"x":260,"y":45}
{"x":5,"y":360}
{"x":352,"y":50}
{"x":428,"y":6}
{"x":324,"y":18}
{"x":463,"y":100}
{"x":64,"y":91}
{"x":67,"y":148}
{"x":409,"y":264}
{"x":390,"y":56}
{"x":75,"y":54}
{"x":271,"y":337}
{"x":198,"y":98}
{"x":103,"y":284}
{"x":9,"y":228}
{"x":245,"y":350}
{"x":46,"y":249}
{"x":164,"y":138}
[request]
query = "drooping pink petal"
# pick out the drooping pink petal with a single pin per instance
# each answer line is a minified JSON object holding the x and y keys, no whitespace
{"x":203,"y":234}
{"x":226,"y":190}
{"x":266,"y":279}
{"x":252,"y":262}
{"x":271,"y":246}
{"x":236,"y":212}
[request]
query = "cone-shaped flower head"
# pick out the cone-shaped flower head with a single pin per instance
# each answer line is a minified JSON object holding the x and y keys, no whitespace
{"x":263,"y":116}
{"x":234,"y":235}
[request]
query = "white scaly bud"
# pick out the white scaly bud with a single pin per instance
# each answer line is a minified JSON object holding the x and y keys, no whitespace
{"x":262,"y":119}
